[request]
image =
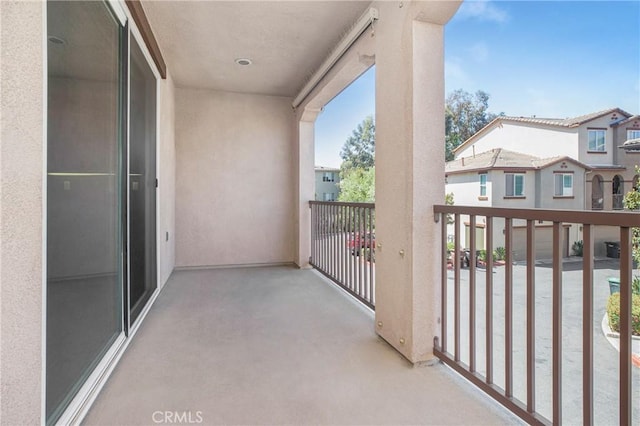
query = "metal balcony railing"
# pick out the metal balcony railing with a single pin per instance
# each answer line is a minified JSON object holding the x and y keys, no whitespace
{"x":343,"y":246}
{"x":477,"y":315}
{"x":597,"y":203}
{"x":618,"y":201}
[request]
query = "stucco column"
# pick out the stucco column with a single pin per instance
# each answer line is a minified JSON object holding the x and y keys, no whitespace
{"x":409,"y":172}
{"x":22,"y":103}
{"x":305,"y":171}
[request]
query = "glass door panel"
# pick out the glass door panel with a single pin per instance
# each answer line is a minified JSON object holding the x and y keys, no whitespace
{"x":142,"y":181}
{"x":84,"y":209}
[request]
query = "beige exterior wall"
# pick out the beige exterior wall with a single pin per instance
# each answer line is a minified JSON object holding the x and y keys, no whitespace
{"x":588,"y":157}
{"x":166,"y":180}
{"x":540,"y":141}
{"x":22,"y":131}
{"x":234,"y":178}
{"x":546,"y":187}
{"x":498,"y":180}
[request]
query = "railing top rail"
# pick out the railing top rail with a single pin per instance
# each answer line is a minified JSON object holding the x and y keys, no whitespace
{"x":342,"y":203}
{"x":586,"y":217}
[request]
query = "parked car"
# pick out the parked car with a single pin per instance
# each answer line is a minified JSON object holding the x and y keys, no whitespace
{"x":358,"y":241}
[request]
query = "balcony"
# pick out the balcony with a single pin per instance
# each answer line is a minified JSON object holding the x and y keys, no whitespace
{"x":276,"y":345}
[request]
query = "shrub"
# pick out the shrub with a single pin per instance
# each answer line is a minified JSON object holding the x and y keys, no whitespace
{"x":613,"y":312}
{"x":635,"y":285}
{"x":577,"y":248}
{"x":482,"y":255}
{"x":500,"y":253}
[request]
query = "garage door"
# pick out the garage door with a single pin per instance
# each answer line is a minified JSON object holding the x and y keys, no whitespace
{"x":544,"y":242}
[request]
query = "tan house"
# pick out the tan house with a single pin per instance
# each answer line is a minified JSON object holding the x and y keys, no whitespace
{"x":594,"y":139}
{"x":503,"y":178}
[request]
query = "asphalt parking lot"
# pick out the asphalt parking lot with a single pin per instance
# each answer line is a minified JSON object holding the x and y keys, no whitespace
{"x":606,"y":381}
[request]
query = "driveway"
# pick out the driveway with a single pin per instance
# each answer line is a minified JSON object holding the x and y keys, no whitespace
{"x":605,"y":356}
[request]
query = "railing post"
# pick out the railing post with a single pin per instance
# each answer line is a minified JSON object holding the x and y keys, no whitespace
{"x":625,"y":326}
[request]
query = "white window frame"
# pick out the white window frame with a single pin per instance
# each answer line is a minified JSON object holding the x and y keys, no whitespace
{"x":631,"y":135}
{"x":514,"y":176}
{"x":596,"y":147}
{"x":565,"y":191}
{"x":483,"y":185}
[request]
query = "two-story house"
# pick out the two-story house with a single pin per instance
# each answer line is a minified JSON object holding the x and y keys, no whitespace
{"x":327,"y":183}
{"x":586,"y":167}
{"x":503,"y":178}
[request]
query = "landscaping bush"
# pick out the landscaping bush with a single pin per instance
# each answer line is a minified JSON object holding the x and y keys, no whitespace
{"x":613,"y":312}
{"x":577,"y":248}
{"x":500,"y":253}
{"x":482,"y":255}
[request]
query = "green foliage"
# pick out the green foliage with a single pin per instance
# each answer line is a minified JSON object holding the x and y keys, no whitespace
{"x":465,"y":114}
{"x":632,"y":202}
{"x":482,"y":255}
{"x":451,"y":246}
{"x":613,"y":312}
{"x":358,"y":151}
{"x":357,"y":185}
{"x":500,"y":253}
{"x":635,"y":285}
{"x":448,"y":200}
{"x":577,"y":247}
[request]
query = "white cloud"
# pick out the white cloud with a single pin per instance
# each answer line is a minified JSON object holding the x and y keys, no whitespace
{"x":482,"y":10}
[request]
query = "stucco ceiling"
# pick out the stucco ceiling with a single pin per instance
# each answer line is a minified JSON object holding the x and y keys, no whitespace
{"x":286,"y":40}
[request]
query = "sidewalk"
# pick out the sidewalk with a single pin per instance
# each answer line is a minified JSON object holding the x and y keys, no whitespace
{"x":614,"y":340}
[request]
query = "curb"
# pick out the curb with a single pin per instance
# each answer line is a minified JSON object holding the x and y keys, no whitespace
{"x":610,"y":335}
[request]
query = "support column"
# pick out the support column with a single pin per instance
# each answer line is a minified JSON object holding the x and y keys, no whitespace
{"x":306,"y":184}
{"x":22,"y":131}
{"x":409,"y":172}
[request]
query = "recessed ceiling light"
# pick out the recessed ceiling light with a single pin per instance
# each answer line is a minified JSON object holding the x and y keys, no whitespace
{"x":56,"y":40}
{"x":243,"y":61}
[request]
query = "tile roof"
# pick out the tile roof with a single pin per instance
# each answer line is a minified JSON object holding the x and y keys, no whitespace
{"x":503,"y":159}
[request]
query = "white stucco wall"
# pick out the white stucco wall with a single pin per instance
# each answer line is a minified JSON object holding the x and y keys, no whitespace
{"x":167,"y":180}
{"x":543,"y":142}
{"x":22,"y":104}
{"x":466,"y":189}
{"x":234,"y":178}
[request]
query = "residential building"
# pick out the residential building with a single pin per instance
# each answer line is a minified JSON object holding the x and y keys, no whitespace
{"x":327,"y":183}
{"x":593,"y":139}
{"x":507,"y":179}
{"x":595,"y":174}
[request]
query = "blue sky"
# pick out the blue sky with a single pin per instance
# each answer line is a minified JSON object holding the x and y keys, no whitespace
{"x":543,"y":58}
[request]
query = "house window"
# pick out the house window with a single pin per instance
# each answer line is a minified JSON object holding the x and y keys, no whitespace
{"x":483,"y":185}
{"x":597,"y":140}
{"x":328,"y":196}
{"x":563,"y":185}
{"x":328,"y":177}
{"x":633,"y":134}
{"x":514,"y":185}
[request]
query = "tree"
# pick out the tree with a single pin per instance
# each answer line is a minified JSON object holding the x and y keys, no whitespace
{"x":465,"y":114}
{"x":358,"y":185}
{"x":359,"y":149}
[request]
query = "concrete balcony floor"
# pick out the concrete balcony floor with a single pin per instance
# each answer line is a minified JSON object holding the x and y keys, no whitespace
{"x":276,"y":345}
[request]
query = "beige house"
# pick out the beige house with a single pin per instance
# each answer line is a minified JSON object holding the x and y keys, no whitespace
{"x":327,"y":183}
{"x":594,"y":139}
{"x":507,"y":179}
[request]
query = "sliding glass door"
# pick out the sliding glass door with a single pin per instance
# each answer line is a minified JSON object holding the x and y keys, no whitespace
{"x":101,"y":193}
{"x":142,"y":181}
{"x":84,"y":187}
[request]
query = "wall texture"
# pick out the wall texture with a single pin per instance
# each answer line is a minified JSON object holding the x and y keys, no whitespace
{"x":234,"y":178}
{"x":22,"y":101}
{"x":167,"y":180}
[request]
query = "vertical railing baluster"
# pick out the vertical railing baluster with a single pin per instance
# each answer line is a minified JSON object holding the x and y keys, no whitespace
{"x":312,"y":207}
{"x":472,"y":293}
{"x":372,"y":250}
{"x":444,"y":218}
{"x":625,"y":326}
{"x":352,"y":247}
{"x":531,"y":317}
{"x":557,"y":325}
{"x":587,"y":325}
{"x":489,"y":300}
{"x":456,"y":290}
{"x":508,"y":309}
{"x":335,"y":241}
